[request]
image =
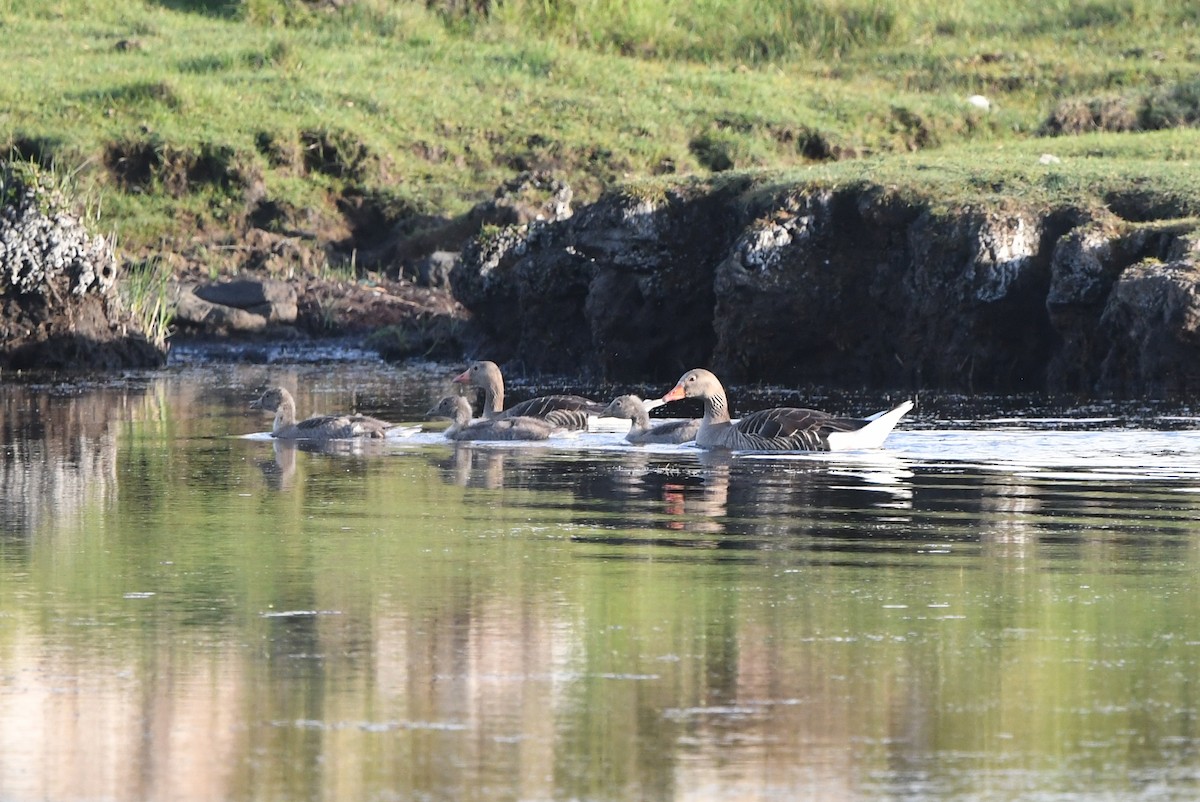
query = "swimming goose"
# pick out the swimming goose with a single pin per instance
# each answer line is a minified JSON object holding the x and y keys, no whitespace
{"x":779,"y":429}
{"x":319,"y":427}
{"x":564,"y":411}
{"x":517,"y":427}
{"x":633,"y":408}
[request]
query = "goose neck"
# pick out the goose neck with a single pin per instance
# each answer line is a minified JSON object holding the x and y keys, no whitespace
{"x":285,"y":414}
{"x":493,"y":399}
{"x":716,"y":408}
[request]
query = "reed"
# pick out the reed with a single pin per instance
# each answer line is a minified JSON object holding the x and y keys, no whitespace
{"x":146,"y":289}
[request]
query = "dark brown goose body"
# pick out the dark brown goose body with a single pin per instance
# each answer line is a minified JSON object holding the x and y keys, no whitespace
{"x":458,"y":410}
{"x":641,"y":432}
{"x":781,"y":428}
{"x":564,"y":411}
{"x":318,"y":427}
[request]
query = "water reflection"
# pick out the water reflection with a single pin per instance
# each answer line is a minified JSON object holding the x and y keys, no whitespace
{"x":60,"y":452}
{"x":193,"y":614}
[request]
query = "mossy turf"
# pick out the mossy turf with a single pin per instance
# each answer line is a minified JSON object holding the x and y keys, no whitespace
{"x":184,"y":118}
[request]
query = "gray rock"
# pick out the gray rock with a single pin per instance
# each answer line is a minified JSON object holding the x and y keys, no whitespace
{"x":532,"y":196}
{"x":192,"y":310}
{"x":434,"y":270}
{"x":272,"y":300}
{"x":618,"y":289}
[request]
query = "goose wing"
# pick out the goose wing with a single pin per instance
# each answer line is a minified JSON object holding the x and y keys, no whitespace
{"x":564,"y":411}
{"x":514,"y":428}
{"x":672,"y":431}
{"x":542,"y":406}
{"x":366,"y":426}
{"x":806,"y":428}
{"x":338,"y":427}
{"x":319,"y":423}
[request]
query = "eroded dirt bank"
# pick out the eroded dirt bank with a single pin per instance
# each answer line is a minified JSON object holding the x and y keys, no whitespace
{"x":858,"y":286}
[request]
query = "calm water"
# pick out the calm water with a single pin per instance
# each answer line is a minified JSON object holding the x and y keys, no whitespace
{"x":999,"y":606}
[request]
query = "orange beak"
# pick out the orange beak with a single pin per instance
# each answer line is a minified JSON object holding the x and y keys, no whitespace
{"x":463,"y":377}
{"x":675,"y":394}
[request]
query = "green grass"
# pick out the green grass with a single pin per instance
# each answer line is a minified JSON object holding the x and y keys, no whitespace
{"x":181,"y":114}
{"x":1090,"y":171}
{"x":146,"y":290}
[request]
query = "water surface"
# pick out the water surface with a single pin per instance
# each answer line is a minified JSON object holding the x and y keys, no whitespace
{"x":1002,"y":604}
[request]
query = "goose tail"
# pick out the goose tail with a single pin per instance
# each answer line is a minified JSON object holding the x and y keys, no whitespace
{"x":873,"y":434}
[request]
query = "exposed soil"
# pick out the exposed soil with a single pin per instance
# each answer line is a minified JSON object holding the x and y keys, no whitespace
{"x":386,"y":309}
{"x":357,"y":266}
{"x":338,"y":308}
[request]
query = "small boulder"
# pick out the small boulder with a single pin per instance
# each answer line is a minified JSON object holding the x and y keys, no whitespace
{"x":244,"y":305}
{"x":272,"y":299}
{"x":192,"y":310}
{"x":434,"y":270}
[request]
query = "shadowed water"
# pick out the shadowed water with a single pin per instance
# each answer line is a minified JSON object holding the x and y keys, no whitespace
{"x":1002,"y":604}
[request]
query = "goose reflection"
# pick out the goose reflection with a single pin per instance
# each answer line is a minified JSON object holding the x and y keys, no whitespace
{"x":694,"y":498}
{"x":280,"y":472}
{"x":647,"y":495}
{"x":733,"y":502}
{"x":470,"y":466}
{"x":699,"y":507}
{"x":644,"y":491}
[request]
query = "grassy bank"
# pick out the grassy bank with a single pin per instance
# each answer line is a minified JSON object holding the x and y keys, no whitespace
{"x":190,"y":119}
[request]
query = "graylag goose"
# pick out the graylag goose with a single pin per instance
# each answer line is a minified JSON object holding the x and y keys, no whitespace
{"x":564,"y":411}
{"x":779,"y":429}
{"x":319,"y":427}
{"x":641,"y":432}
{"x":517,"y":427}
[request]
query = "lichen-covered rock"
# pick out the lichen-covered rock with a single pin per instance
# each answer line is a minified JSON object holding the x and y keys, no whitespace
{"x":58,"y":302}
{"x":1084,"y":264}
{"x":526,"y":307}
{"x":1094,"y":322}
{"x":975,"y":315}
{"x":532,"y":196}
{"x":779,"y":271}
{"x":43,"y":248}
{"x":1004,"y":254}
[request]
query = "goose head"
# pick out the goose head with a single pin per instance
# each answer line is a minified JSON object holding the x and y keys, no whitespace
{"x":272,"y":399}
{"x":452,"y":407}
{"x":482,"y":374}
{"x":696,"y":383}
{"x":624,"y":406}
